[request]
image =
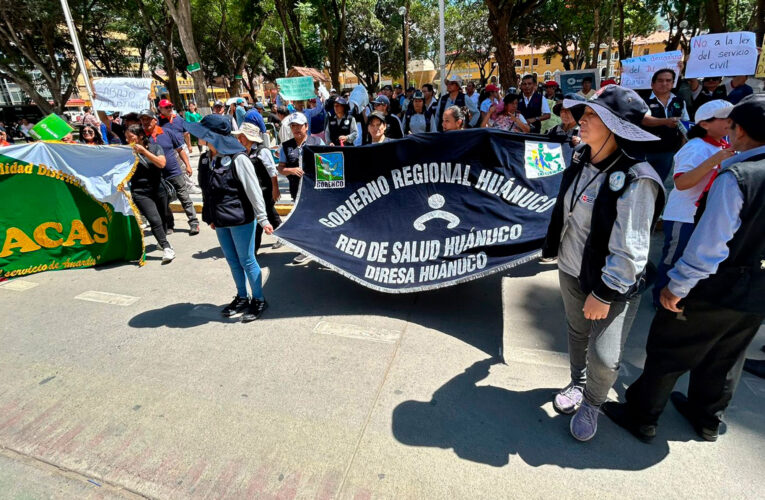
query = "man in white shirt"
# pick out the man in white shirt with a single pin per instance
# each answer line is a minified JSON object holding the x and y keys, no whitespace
{"x":587,"y":90}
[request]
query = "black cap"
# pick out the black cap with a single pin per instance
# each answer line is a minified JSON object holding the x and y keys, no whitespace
{"x":376,"y":114}
{"x":749,"y":114}
{"x":387,"y":87}
{"x":411,"y":88}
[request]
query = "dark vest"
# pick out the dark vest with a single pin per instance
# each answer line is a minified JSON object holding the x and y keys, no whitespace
{"x":671,"y":138}
{"x":739,"y":282}
{"x":260,"y":169}
{"x":292,"y":152}
{"x":533,"y":110}
{"x":225,"y":201}
{"x":459,"y":102}
{"x":338,"y":127}
{"x":602,"y":223}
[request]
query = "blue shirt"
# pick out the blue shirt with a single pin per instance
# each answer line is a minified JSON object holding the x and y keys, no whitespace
{"x":176,"y":124}
{"x":311,"y":112}
{"x":171,"y":142}
{"x":708,"y":246}
{"x":739,"y":93}
{"x":240,"y":112}
{"x":255,"y":118}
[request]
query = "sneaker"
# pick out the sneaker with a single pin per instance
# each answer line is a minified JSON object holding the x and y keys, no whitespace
{"x":685,"y":409}
{"x":255,"y":310}
{"x":300,"y":259}
{"x":619,"y":413}
{"x":567,"y":401}
{"x":584,"y":424}
{"x":548,"y":260}
{"x":236,"y":306}
{"x":168,"y":254}
{"x":194,"y":230}
{"x":277,"y":245}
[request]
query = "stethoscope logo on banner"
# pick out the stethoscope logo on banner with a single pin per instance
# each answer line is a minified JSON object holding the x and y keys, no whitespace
{"x":436,"y":202}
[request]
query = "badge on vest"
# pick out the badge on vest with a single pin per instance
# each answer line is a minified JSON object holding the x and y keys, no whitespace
{"x":225,"y":161}
{"x":616,"y":181}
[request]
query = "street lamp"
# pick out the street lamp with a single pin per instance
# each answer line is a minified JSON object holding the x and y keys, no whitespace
{"x":284,"y":52}
{"x":403,"y":12}
{"x":379,"y":66}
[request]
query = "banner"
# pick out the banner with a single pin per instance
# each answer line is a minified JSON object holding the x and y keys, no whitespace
{"x":122,"y":94}
{"x":637,"y":72}
{"x":298,"y":88}
{"x":571,"y":81}
{"x":62,"y":206}
{"x":50,"y":128}
{"x":760,"y":72}
{"x":722,"y":54}
{"x":427,"y":211}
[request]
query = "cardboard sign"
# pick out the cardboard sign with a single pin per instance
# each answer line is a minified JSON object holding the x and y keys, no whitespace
{"x":571,"y":81}
{"x":761,"y":63}
{"x":122,"y":94}
{"x":50,"y":128}
{"x":299,"y":88}
{"x":722,"y":54}
{"x":637,"y":71}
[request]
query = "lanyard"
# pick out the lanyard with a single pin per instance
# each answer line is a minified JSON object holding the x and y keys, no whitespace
{"x":575,"y":196}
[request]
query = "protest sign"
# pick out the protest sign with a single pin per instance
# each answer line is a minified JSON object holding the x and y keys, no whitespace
{"x":359,"y":97}
{"x":122,"y":95}
{"x":62,"y":206}
{"x":298,"y":88}
{"x":571,"y":81}
{"x":760,"y":73}
{"x":50,"y":128}
{"x":419,"y":214}
{"x":637,"y":72}
{"x":722,"y":54}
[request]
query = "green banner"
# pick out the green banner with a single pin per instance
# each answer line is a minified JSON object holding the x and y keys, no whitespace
{"x":62,"y":207}
{"x":298,"y":88}
{"x":50,"y":128}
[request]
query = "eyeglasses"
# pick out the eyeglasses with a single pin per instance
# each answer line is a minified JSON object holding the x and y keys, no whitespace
{"x":88,"y":132}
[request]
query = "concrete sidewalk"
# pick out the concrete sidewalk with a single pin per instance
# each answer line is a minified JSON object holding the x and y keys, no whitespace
{"x":125,"y":382}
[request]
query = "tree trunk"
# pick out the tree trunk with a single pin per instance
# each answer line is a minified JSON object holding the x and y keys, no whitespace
{"x":760,"y":21}
{"x":181,"y":12}
{"x":499,"y":25}
{"x":595,"y":38}
{"x":714,"y":19}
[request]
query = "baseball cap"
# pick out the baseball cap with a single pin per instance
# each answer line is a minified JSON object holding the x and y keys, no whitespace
{"x":147,"y":112}
{"x":381,"y":99}
{"x":387,"y":87}
{"x":454,"y":78}
{"x":165,"y":103}
{"x":418,"y":95}
{"x":748,"y":114}
{"x":218,"y":104}
{"x":259,"y":105}
{"x":298,"y":118}
{"x":398,"y":86}
{"x":491,"y":88}
{"x":378,"y":115}
{"x":240,"y":100}
{"x":250,"y":131}
{"x":709,"y":110}
{"x":341,"y":101}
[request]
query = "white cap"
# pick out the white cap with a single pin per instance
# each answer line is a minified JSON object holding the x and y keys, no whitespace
{"x":454,"y":78}
{"x":713,"y":109}
{"x":298,"y":118}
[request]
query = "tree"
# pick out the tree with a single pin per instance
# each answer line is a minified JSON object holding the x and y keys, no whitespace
{"x":180,"y":10}
{"x":635,"y":20}
{"x":35,"y":52}
{"x":100,"y":29}
{"x":504,"y":16}
{"x":331,"y":16}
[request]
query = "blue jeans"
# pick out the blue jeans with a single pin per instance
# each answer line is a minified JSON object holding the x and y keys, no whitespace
{"x":676,"y":236}
{"x":238,"y":245}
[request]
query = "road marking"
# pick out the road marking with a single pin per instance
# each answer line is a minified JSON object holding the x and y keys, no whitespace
{"x":351,"y":331}
{"x":18,"y":285}
{"x":107,"y":298}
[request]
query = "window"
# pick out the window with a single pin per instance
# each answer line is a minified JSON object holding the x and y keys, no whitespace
{"x":548,"y":59}
{"x":525,"y":62}
{"x":616,"y":55}
{"x":603,"y":73}
{"x":536,"y":62}
{"x":517,"y":63}
{"x":646,"y":52}
{"x":604,"y":56}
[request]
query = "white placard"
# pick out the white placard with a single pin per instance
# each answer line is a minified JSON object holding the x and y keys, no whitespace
{"x":637,"y":72}
{"x":122,"y":94}
{"x":722,"y":54}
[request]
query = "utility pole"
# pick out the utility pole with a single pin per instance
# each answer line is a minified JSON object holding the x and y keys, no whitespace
{"x":610,"y":41}
{"x":78,"y":52}
{"x":441,"y":48}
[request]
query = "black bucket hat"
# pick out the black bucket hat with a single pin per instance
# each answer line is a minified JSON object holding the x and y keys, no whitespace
{"x":216,"y":130}
{"x":620,"y":109}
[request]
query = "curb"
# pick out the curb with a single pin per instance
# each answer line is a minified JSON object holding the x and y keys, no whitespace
{"x":281,"y":208}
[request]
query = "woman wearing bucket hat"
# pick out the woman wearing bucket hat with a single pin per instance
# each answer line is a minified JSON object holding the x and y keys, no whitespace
{"x":600,"y":231}
{"x":232,"y":202}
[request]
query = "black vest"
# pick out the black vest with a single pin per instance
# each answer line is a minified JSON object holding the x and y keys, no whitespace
{"x":603,"y":217}
{"x":338,"y":127}
{"x":260,"y":169}
{"x":739,"y":282}
{"x":459,"y":102}
{"x":225,"y":201}
{"x":671,"y":138}
{"x":532,"y":110}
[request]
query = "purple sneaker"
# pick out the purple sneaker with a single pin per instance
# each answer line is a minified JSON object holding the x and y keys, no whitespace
{"x":584,"y":424}
{"x":568,"y":399}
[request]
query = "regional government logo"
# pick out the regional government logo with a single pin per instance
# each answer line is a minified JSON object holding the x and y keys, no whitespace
{"x":330,"y":170}
{"x":543,"y":159}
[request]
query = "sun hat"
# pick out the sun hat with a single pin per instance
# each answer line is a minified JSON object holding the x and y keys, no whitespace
{"x":250,"y":131}
{"x":709,"y":110}
{"x":297,"y":117}
{"x":620,"y":109}
{"x":491,"y":88}
{"x":748,"y":114}
{"x":165,"y":103}
{"x":378,"y":115}
{"x":454,"y":79}
{"x":216,"y":130}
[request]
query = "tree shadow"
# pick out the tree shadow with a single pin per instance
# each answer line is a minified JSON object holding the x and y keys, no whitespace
{"x":487,"y":424}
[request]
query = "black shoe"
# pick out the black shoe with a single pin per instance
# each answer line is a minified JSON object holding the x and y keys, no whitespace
{"x":683,"y":406}
{"x":236,"y":306}
{"x":255,"y":310}
{"x":621,"y":416}
{"x":194,"y":230}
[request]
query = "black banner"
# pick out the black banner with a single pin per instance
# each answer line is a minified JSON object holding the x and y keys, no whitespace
{"x":427,"y":211}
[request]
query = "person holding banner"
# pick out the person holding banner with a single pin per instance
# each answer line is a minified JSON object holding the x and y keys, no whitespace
{"x":146,"y":186}
{"x":600,"y":231}
{"x":419,"y":119}
{"x":233,"y":201}
{"x":709,"y":90}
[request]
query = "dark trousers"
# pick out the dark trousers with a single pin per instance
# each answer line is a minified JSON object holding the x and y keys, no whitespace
{"x":182,"y":190}
{"x":152,"y":206}
{"x":273,"y":216}
{"x":661,"y":162}
{"x":707,"y":340}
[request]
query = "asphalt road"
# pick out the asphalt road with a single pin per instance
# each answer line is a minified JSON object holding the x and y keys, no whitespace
{"x":125,"y":382}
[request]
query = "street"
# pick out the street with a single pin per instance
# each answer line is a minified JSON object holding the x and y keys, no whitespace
{"x":125,"y":382}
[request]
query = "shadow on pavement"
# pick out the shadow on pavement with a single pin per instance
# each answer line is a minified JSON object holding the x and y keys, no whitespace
{"x":182,"y":315}
{"x":487,"y":424}
{"x":214,"y":253}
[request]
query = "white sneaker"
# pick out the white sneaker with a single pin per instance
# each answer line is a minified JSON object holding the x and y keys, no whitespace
{"x":168,"y":255}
